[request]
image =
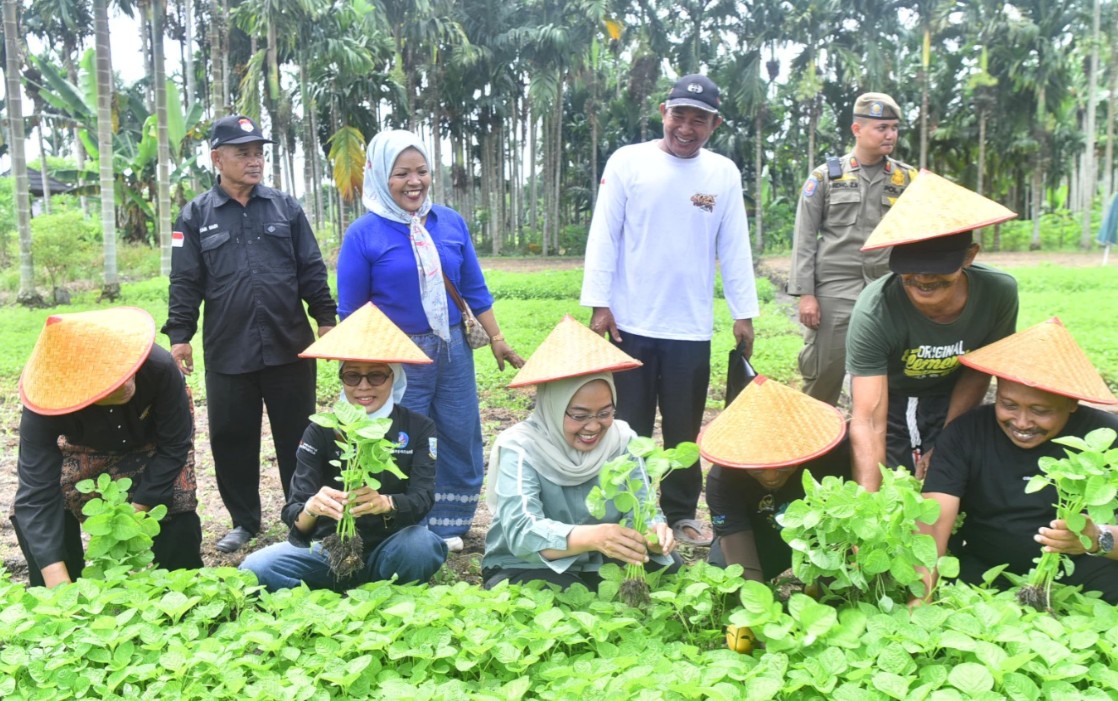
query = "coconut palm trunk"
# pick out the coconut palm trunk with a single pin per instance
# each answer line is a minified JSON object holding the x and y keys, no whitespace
{"x":27,"y":294}
{"x":163,"y":170}
{"x":110,"y":289}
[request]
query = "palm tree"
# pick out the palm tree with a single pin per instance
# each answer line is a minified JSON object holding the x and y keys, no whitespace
{"x":157,"y":8}
{"x":219,"y":56}
{"x":110,"y":289}
{"x":63,"y":24}
{"x":27,"y":294}
{"x":1090,"y":182}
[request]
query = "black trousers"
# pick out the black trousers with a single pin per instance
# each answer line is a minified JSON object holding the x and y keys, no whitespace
{"x":913,"y":424}
{"x":675,"y":376}
{"x":235,"y":404}
{"x":177,"y":547}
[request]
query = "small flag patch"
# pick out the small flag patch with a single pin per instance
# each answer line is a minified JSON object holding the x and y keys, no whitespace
{"x":177,"y":239}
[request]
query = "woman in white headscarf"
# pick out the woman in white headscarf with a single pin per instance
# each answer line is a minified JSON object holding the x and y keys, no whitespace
{"x":402,"y":255}
{"x":387,"y":519}
{"x":545,"y":468}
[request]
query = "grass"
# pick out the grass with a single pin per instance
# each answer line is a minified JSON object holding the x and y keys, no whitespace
{"x":530,"y":304}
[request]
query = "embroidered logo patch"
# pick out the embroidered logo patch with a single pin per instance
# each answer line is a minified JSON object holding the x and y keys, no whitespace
{"x":245,"y":124}
{"x":898,"y":177}
{"x":177,"y":239}
{"x":877,"y":109}
{"x":433,"y":448}
{"x":810,"y":185}
{"x":402,"y":441}
{"x":703,"y":202}
{"x":308,"y":447}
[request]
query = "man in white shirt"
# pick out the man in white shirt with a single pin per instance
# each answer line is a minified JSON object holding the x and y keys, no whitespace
{"x":666,"y":210}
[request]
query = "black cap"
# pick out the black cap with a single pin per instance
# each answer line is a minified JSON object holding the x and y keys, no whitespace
{"x":694,"y":91}
{"x":235,"y":129}
{"x":942,"y":255}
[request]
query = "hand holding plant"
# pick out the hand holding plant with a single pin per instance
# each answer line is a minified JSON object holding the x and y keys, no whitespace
{"x":865,"y":542}
{"x":623,"y":484}
{"x":1059,"y":538}
{"x":365,"y":453}
{"x":1087,"y":488}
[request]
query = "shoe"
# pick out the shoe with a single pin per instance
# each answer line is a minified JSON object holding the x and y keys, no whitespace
{"x":234,"y":540}
{"x":702,"y":540}
{"x":454,"y":544}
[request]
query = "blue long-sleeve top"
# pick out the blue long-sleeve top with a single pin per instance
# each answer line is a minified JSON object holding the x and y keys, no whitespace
{"x":377,"y":264}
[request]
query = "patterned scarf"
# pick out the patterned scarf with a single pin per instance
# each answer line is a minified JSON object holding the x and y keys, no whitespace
{"x":380,"y":158}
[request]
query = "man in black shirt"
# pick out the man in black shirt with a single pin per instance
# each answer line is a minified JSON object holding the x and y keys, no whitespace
{"x":100,"y":398}
{"x":759,"y":446}
{"x":248,"y":252}
{"x":986,"y":457}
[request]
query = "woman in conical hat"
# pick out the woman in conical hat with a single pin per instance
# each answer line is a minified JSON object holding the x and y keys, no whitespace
{"x":759,"y":448}
{"x":985,"y":458}
{"x":542,"y":469}
{"x":100,"y":398}
{"x":372,"y":351}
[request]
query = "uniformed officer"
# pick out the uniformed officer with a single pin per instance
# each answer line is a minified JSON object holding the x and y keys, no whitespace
{"x":841,"y":203}
{"x":249,"y":252}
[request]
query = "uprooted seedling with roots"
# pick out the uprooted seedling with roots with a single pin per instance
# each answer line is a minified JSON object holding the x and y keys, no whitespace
{"x":634,"y":492}
{"x":1086,"y":485}
{"x":365,"y":453}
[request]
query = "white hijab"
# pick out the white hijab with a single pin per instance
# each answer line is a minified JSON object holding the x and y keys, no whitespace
{"x":540,"y":438}
{"x":380,"y":158}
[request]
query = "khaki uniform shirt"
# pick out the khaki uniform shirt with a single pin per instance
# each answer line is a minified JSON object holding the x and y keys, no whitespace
{"x":833,"y":220}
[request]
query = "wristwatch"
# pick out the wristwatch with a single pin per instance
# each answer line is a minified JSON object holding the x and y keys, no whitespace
{"x":1106,"y":542}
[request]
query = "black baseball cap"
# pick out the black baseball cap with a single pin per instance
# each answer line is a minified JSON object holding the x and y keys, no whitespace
{"x":942,"y":255}
{"x":235,"y":129}
{"x":694,"y":91}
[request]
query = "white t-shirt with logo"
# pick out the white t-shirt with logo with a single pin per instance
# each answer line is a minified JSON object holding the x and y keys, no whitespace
{"x":659,"y":225}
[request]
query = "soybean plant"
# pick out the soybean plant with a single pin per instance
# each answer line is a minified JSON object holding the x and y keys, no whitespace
{"x":633,"y":492}
{"x":365,"y":454}
{"x":1086,"y":485}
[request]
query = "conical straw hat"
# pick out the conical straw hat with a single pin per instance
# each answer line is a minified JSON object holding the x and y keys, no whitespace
{"x":771,"y":425}
{"x":368,"y":336}
{"x":571,"y":350}
{"x":84,"y":357}
{"x":933,"y":206}
{"x":1046,"y":357}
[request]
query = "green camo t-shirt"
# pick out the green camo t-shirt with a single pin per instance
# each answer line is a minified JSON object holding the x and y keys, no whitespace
{"x":888,"y":336}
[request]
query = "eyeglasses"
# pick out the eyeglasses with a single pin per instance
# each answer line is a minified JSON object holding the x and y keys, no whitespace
{"x":352,"y":378}
{"x":603,"y":415}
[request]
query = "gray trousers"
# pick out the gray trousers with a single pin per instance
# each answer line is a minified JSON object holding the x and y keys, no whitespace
{"x":822,"y":360}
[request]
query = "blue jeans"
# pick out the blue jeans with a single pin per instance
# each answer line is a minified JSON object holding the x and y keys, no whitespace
{"x":446,"y":392}
{"x":413,"y":554}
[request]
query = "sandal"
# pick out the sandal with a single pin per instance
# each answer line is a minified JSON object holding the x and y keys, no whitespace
{"x":704,"y":538}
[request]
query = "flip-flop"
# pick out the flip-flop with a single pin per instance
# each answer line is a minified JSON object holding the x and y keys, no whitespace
{"x":695,"y":525}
